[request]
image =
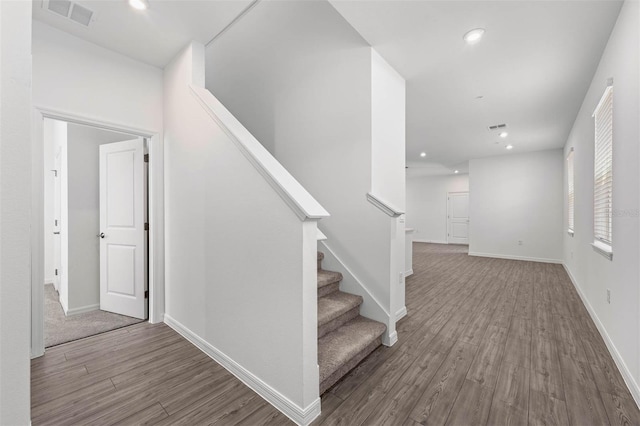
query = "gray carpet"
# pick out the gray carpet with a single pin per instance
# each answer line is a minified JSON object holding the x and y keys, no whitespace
{"x":59,"y":328}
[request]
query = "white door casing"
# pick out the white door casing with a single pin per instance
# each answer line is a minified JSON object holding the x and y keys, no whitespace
{"x":57,"y":243}
{"x":122,"y":233}
{"x":458,"y":218}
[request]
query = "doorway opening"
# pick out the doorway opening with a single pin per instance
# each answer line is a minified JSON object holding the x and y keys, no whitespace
{"x":458,"y":218}
{"x":95,"y":230}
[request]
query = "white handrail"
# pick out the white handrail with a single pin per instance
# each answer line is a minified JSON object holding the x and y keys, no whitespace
{"x":289,"y":189}
{"x":384,"y":206}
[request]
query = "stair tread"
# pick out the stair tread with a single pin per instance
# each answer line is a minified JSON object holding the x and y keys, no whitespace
{"x":338,"y":347}
{"x":328,"y":277}
{"x":335,"y":304}
{"x":320,"y":255}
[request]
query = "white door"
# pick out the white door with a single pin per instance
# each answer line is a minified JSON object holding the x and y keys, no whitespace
{"x":122,"y":234}
{"x":458,"y":218}
{"x":57,"y":243}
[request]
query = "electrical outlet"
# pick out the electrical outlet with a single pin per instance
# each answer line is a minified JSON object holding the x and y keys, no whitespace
{"x":608,"y":296}
{"x":519,"y":242}
{"x":400,"y":278}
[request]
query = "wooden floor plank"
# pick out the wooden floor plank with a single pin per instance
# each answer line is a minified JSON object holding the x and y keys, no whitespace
{"x":485,"y":341}
{"x":620,"y":411}
{"x":546,"y":410}
{"x":503,"y":414}
{"x":472,"y":405}
{"x":436,"y":402}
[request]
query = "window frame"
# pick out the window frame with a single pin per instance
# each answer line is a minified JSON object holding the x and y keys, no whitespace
{"x":603,"y":175}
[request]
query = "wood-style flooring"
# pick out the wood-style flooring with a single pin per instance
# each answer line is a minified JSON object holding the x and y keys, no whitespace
{"x":486,"y":341}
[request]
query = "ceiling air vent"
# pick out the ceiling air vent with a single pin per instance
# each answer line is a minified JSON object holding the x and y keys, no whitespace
{"x":70,"y":10}
{"x":81,"y":15}
{"x":61,"y":7}
{"x":497,"y":126}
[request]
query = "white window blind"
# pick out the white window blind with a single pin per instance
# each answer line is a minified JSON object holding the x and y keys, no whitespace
{"x":571,"y":192}
{"x":603,"y":171}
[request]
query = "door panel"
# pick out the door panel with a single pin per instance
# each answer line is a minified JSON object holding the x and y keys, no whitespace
{"x":458,"y":218}
{"x":122,"y":238}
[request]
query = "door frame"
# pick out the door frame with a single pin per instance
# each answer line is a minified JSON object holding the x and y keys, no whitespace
{"x":155,"y":218}
{"x":447,"y":218}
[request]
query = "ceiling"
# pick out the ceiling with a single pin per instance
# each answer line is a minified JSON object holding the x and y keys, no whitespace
{"x":532,"y":70}
{"x":153,"y":36}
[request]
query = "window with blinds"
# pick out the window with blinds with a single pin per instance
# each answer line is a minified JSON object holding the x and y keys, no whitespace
{"x":603,"y":171}
{"x":571,"y":192}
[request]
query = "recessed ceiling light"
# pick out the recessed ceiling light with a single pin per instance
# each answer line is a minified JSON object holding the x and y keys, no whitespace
{"x":509,"y":146}
{"x":423,"y":154}
{"x":473,"y":36}
{"x":456,"y":171}
{"x":139,"y":4}
{"x":503,"y":134}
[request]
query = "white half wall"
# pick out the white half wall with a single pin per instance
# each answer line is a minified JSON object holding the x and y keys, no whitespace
{"x":515,"y":206}
{"x":592,"y":273}
{"x":427,"y":205}
{"x":15,"y":211}
{"x":241,"y":277}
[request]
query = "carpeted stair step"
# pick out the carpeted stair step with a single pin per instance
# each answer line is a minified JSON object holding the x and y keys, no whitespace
{"x":328,"y":282}
{"x":335,"y":309}
{"x":320,"y":257}
{"x":341,"y":350}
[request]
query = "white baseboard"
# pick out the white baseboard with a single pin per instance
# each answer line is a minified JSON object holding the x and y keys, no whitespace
{"x":407,"y":273}
{"x":402,"y":312}
{"x":617,"y":358}
{"x":512,"y":257}
{"x":82,"y":309}
{"x":429,"y":241}
{"x":302,"y":416}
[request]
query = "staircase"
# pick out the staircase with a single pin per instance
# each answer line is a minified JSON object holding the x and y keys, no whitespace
{"x":344,"y":337}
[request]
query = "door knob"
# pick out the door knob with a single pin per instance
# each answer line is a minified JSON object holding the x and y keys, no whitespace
{"x":101,"y":235}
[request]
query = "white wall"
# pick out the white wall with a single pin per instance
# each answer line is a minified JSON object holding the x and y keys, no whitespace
{"x":15,"y":211}
{"x":517,"y":197}
{"x":593,"y":273}
{"x":240,"y":277}
{"x":83,"y":182}
{"x":427,"y":205}
{"x":78,"y":77}
{"x":388,"y":133}
{"x":302,"y":80}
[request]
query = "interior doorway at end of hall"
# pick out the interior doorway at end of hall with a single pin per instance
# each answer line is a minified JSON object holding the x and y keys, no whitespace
{"x":95,"y":231}
{"x":458,"y":218}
